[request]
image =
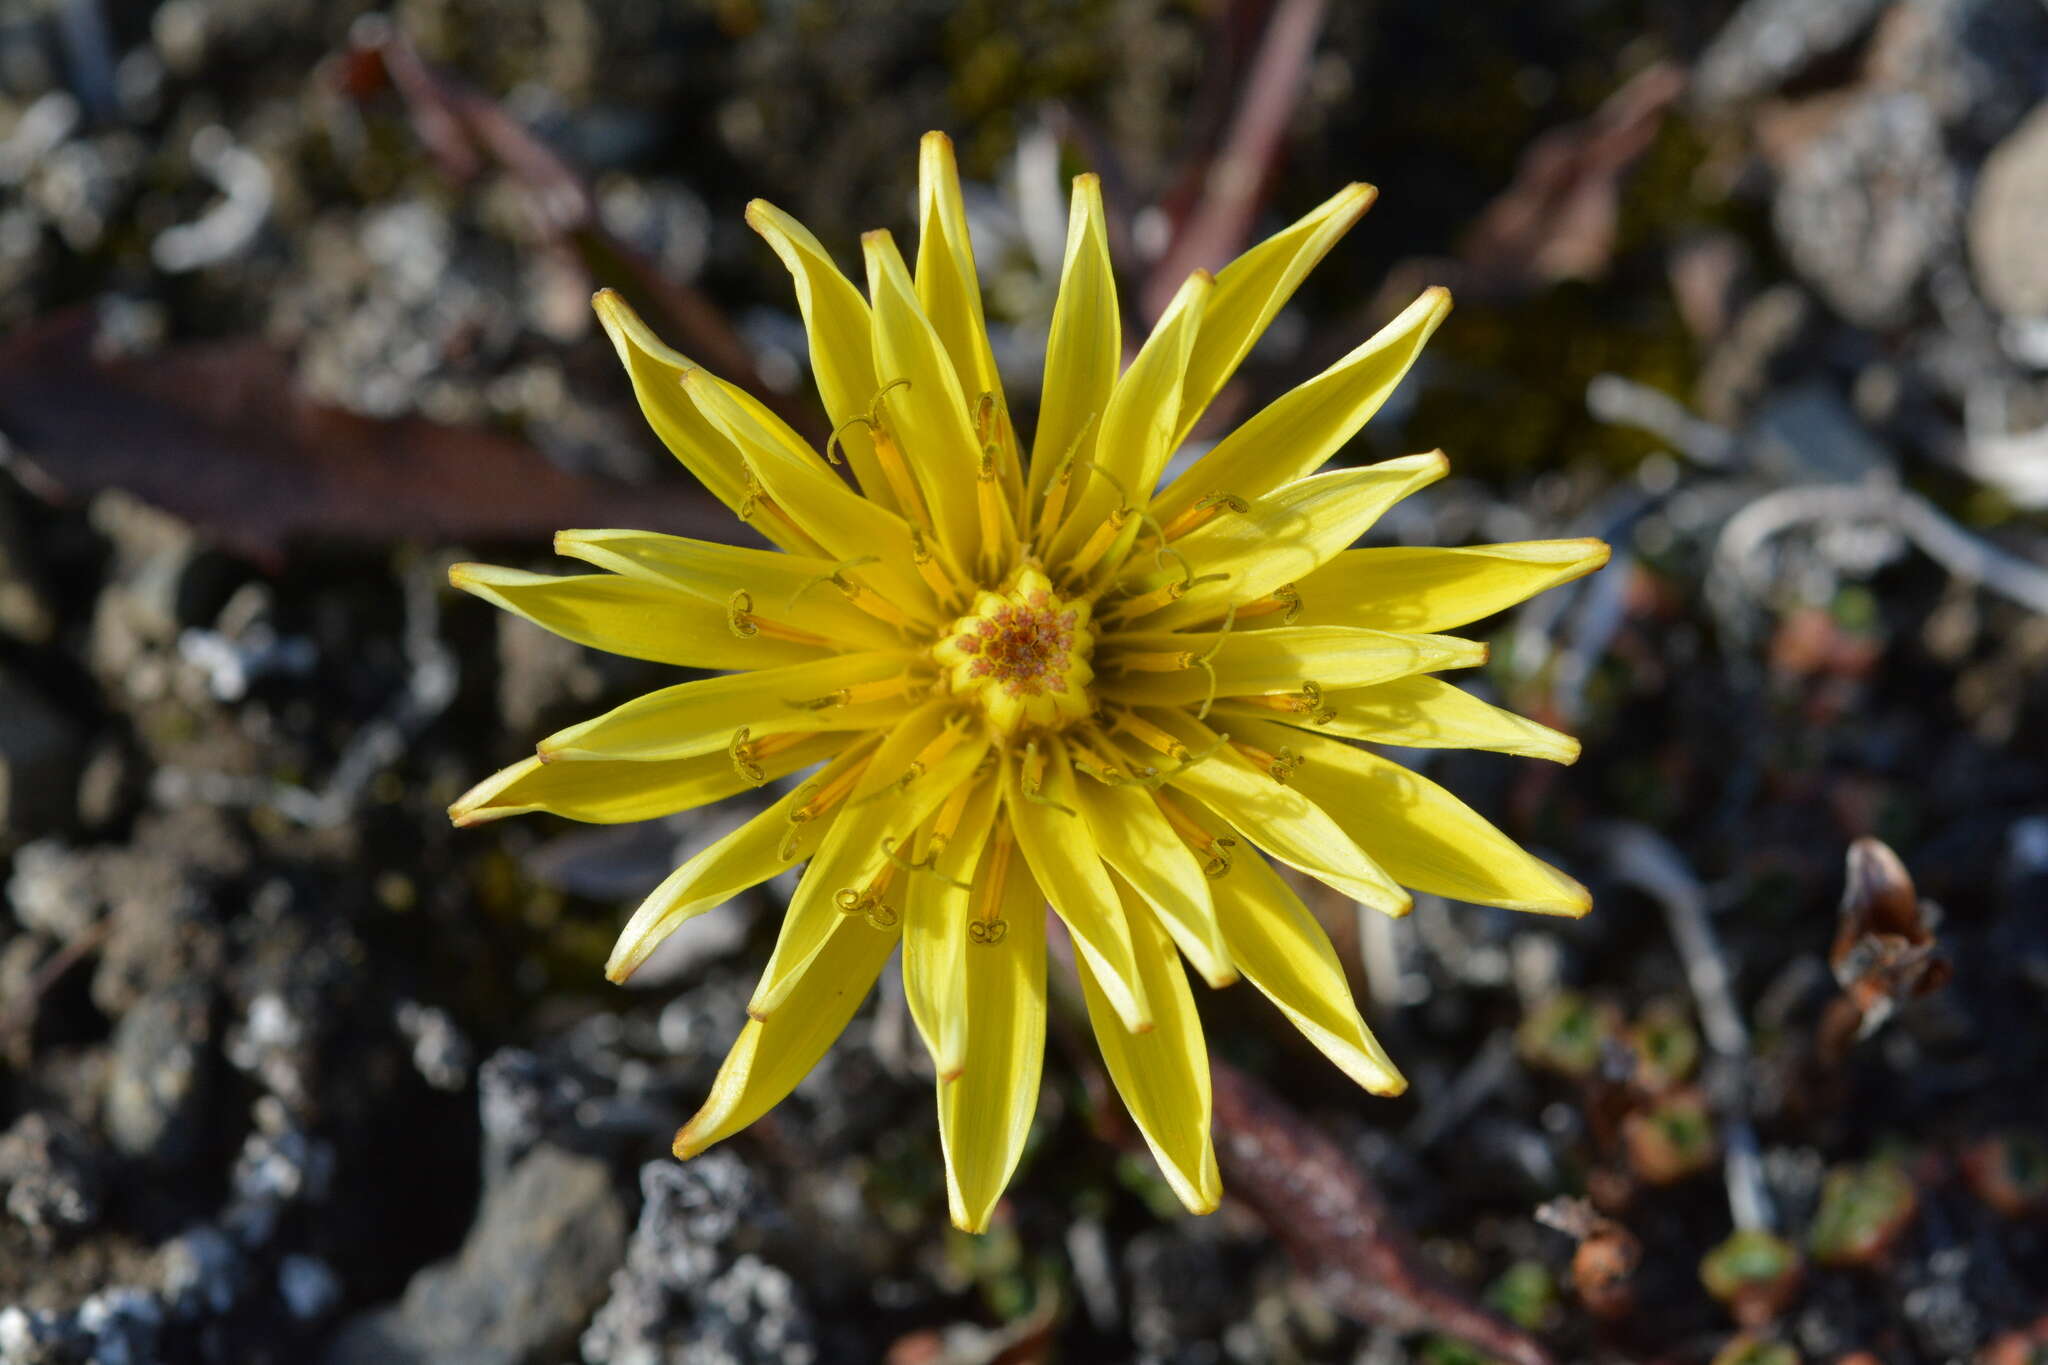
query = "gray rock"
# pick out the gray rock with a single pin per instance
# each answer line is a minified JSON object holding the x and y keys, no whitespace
{"x":1768,"y":42}
{"x":529,"y":1274}
{"x":693,"y":1290}
{"x":201,"y":1272}
{"x":521,"y":1099}
{"x":51,"y":1175}
{"x":53,"y":890}
{"x":160,"y":1080}
{"x":1869,"y":205}
{"x":2008,"y":242}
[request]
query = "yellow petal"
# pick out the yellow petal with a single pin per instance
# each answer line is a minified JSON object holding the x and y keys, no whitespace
{"x":615,"y":793}
{"x":837,"y":323}
{"x":1250,"y":662}
{"x":1084,"y":349}
{"x":1287,"y":955}
{"x":1428,"y":588}
{"x":626,"y":616}
{"x":1065,"y":862}
{"x":1254,"y":287}
{"x":1304,"y":427}
{"x":985,"y":1115}
{"x":700,"y":717}
{"x":1423,"y":713}
{"x":1280,"y":817}
{"x":948,"y":285}
{"x":1162,"y":1073}
{"x":846,"y":524}
{"x":1136,"y":432}
{"x":935,"y":935}
{"x":1425,"y":837}
{"x":1282,"y":537}
{"x":932,"y":421}
{"x":748,"y":856}
{"x":656,"y":372}
{"x":891,"y":800}
{"x":772,"y":1055}
{"x":1136,"y":840}
{"x":792,"y":589}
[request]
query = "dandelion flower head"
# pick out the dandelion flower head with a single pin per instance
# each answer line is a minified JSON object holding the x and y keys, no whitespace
{"x":1027,"y":674}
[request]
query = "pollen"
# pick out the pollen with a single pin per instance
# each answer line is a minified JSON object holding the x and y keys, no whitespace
{"x":1023,"y":654}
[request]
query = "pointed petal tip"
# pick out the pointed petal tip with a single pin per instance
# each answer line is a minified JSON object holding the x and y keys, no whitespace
{"x":1441,"y":301}
{"x":687,"y":1144}
{"x":937,"y":141}
{"x":462,"y":575}
{"x":1598,"y":553}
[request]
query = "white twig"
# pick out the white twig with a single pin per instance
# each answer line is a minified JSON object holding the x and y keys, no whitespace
{"x":1946,"y":543}
{"x":1640,"y":857}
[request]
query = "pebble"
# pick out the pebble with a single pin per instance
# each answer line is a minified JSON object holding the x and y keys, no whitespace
{"x":158,"y":1087}
{"x":2008,"y":246}
{"x":534,"y":1265}
{"x":1869,"y":205}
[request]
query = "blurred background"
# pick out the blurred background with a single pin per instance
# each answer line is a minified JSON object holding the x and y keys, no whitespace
{"x":294,"y":312}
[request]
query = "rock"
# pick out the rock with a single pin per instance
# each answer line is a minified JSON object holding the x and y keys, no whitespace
{"x":39,"y":760}
{"x":1768,"y":42}
{"x":694,"y":1291}
{"x":53,"y":890}
{"x":2008,"y":246}
{"x":201,"y":1272}
{"x":521,"y":1100}
{"x":159,"y":1084}
{"x":529,"y":1274}
{"x":1869,"y":205}
{"x":51,"y":1175}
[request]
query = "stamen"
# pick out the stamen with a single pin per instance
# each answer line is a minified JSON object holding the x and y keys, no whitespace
{"x":744,"y":758}
{"x":987,"y":926}
{"x":933,"y":572}
{"x":992,"y":510}
{"x":865,"y":597}
{"x":1278,"y":765}
{"x":819,"y":796}
{"x":1150,"y":735}
{"x":868,"y":901}
{"x":1146,"y":603}
{"x":741,"y":621}
{"x":1097,"y":545}
{"x":1062,"y":482}
{"x":928,"y":863}
{"x":1307,"y":702}
{"x":889,"y":456}
{"x":1216,"y":848}
{"x":757,"y":500}
{"x":1286,"y":598}
{"x":1031,"y":781}
{"x":1202,"y":512}
{"x":947,"y":823}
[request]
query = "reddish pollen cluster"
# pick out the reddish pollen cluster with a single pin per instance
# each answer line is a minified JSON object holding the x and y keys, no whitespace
{"x":1022,"y":653}
{"x":1023,"y":648}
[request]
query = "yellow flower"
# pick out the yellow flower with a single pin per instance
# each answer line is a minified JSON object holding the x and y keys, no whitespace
{"x":1033,"y":680}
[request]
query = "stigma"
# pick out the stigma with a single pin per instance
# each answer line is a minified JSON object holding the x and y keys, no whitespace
{"x":1022,"y":653}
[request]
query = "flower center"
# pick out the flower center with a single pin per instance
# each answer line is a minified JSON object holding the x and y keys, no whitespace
{"x":1023,"y":654}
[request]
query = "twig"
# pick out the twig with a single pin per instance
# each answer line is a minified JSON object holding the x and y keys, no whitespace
{"x":1337,"y":1226}
{"x":1946,"y":543}
{"x":1235,"y":183}
{"x":1641,"y":858}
